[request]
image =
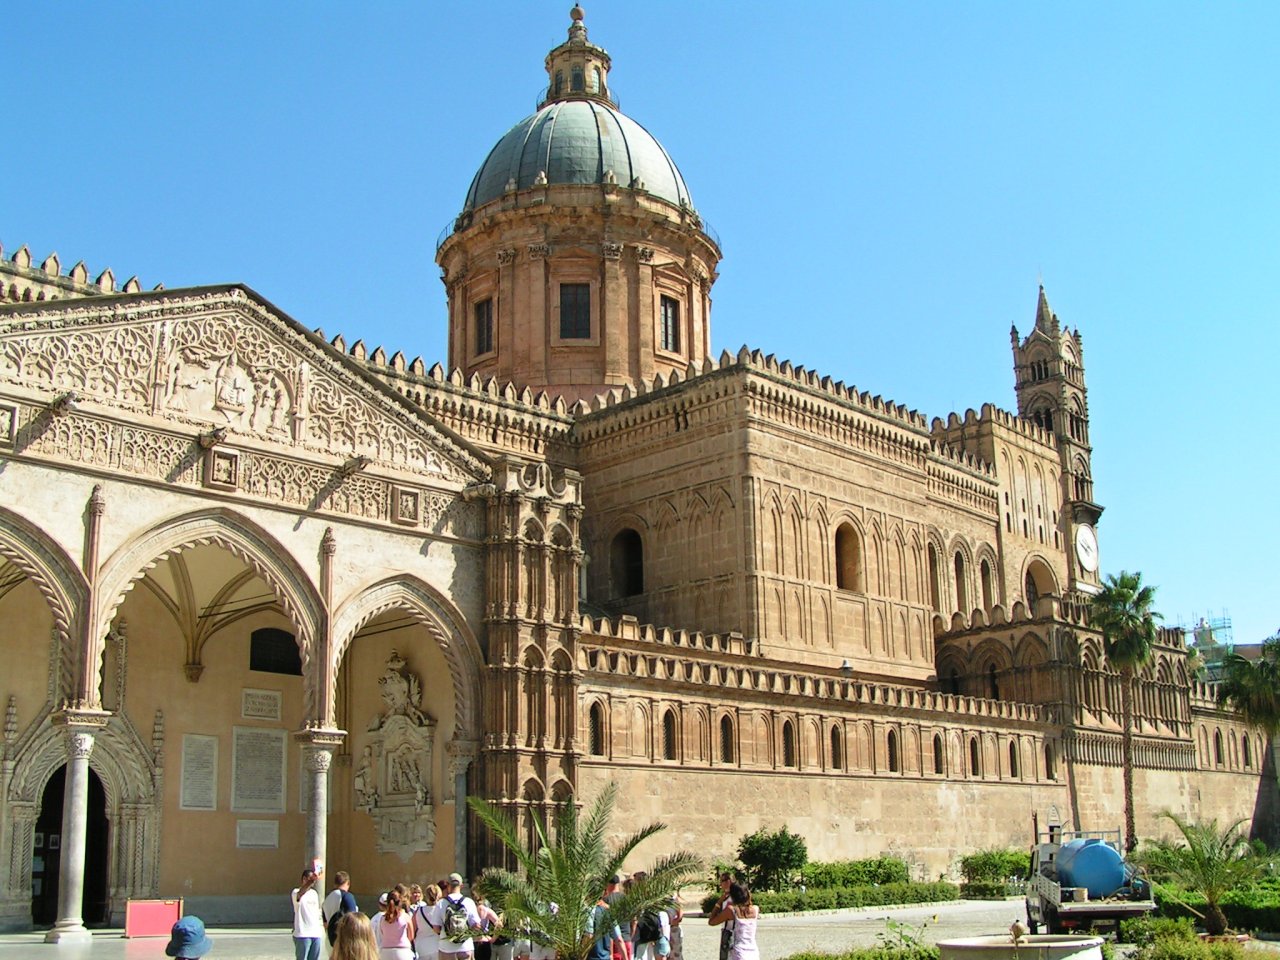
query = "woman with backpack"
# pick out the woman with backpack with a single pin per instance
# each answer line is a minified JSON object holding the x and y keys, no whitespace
{"x":427,"y":942}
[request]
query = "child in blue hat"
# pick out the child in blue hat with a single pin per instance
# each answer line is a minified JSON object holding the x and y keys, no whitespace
{"x":187,"y":940}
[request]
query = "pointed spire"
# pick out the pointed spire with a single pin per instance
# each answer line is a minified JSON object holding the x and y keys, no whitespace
{"x":1046,"y":319}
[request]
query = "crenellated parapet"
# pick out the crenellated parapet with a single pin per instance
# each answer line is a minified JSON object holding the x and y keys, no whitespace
{"x":956,"y":429}
{"x":624,"y":648}
{"x":22,"y":281}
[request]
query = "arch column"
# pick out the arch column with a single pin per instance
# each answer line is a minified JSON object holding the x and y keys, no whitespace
{"x":462,"y":753}
{"x":318,"y":746}
{"x":80,"y":726}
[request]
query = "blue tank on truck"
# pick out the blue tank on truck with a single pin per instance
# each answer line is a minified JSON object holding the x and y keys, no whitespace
{"x":1091,"y":864}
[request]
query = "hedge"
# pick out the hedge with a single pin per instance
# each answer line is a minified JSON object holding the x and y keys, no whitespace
{"x":989,"y":866}
{"x":831,"y":898}
{"x":990,"y":889}
{"x":1249,"y":909}
{"x":855,"y":873}
{"x":922,"y":952}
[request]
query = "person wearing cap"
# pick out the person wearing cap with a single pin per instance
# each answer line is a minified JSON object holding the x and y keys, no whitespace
{"x":187,"y":939}
{"x":453,"y":902}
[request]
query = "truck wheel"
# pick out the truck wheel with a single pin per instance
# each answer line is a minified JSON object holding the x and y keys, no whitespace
{"x":1051,"y":924}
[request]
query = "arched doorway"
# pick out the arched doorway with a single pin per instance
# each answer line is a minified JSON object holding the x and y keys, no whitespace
{"x":46,"y":853}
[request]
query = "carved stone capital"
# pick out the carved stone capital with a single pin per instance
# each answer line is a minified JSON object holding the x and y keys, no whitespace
{"x":97,"y":503}
{"x":611,"y":251}
{"x":320,"y":738}
{"x":328,"y":543}
{"x":644,"y":254}
{"x":193,"y":671}
{"x":506,"y":257}
{"x":538,"y":251}
{"x":462,"y":753}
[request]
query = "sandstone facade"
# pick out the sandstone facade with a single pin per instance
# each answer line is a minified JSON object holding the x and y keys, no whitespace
{"x":271,"y":596}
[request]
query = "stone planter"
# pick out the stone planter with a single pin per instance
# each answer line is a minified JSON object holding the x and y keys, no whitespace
{"x":1043,"y":946}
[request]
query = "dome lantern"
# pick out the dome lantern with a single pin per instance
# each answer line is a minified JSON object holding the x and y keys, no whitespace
{"x":577,"y":69}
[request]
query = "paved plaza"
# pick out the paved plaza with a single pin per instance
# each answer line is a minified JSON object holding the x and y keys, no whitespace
{"x":779,"y":936}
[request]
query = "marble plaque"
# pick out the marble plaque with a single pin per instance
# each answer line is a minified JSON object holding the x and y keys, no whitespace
{"x":199,"y":787}
{"x":258,"y":770}
{"x":260,"y":704}
{"x":258,"y":834}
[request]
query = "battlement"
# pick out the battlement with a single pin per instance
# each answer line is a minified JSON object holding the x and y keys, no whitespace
{"x":22,"y":282}
{"x":995,"y":416}
{"x":664,"y":663}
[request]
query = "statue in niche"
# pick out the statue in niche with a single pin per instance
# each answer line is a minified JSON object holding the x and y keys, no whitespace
{"x":392,"y":781}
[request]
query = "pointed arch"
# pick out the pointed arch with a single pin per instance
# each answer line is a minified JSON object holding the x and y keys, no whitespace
{"x":54,"y":574}
{"x":238,"y":535}
{"x":443,"y":623}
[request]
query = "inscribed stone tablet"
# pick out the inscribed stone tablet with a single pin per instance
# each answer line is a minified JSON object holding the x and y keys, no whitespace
{"x":257,"y":770}
{"x":199,"y":788}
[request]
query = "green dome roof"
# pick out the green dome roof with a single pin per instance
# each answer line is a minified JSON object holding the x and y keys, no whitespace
{"x":578,"y":141}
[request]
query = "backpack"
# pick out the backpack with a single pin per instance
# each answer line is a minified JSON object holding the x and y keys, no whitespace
{"x":648,"y":929}
{"x":455,"y":925}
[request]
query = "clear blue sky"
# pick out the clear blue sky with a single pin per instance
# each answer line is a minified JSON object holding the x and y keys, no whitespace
{"x":890,"y":182}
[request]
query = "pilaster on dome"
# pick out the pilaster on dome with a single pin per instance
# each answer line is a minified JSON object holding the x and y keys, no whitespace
{"x":577,"y":69}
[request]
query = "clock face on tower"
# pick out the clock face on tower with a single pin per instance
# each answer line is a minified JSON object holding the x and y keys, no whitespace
{"x":1087,"y":548}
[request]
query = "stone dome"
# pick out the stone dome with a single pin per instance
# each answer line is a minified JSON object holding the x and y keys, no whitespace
{"x":578,"y":142}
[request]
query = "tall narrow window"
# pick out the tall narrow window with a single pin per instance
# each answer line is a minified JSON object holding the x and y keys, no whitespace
{"x":669,"y":735}
{"x":1244,"y":753}
{"x":1050,"y":763}
{"x":595,"y":733}
{"x":627,"y":563}
{"x":937,"y":753}
{"x":575,"y":311}
{"x":484,"y":326}
{"x":975,"y":759}
{"x":595,"y":79}
{"x":1033,"y":594}
{"x":1013,"y":758}
{"x":788,"y":744}
{"x":962,"y":592}
{"x":891,"y":748}
{"x":726,"y":739}
{"x":670,"y":333}
{"x":848,"y":558}
{"x":984,"y":571}
{"x":576,"y":81}
{"x":559,"y":83}
{"x":1217,"y":747}
{"x":935,"y":589}
{"x":993,"y":682}
{"x":837,"y":749}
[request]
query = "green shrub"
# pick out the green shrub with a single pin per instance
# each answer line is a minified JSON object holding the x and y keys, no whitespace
{"x":770,"y":860}
{"x":1144,"y":931}
{"x":794,"y":901}
{"x":1249,"y":908}
{"x":873,"y":953}
{"x":990,"y":890}
{"x":1175,"y":948}
{"x":855,"y":873}
{"x":988,"y":866}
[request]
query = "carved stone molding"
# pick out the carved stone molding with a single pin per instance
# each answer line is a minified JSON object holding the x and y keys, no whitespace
{"x":506,"y":257}
{"x":538,"y":251}
{"x":611,"y":251}
{"x":644,"y":254}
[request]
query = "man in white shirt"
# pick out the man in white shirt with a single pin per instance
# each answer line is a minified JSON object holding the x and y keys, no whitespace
{"x":454,"y":916}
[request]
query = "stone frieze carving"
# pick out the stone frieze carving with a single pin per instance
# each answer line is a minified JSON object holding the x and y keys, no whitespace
{"x":392,"y":778}
{"x":218,"y":362}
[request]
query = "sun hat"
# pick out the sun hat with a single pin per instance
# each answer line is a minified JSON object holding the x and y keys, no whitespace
{"x":188,"y":939}
{"x":455,"y":878}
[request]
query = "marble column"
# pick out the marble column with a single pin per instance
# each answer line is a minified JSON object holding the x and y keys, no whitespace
{"x":461,"y":755}
{"x":80,"y":732}
{"x":319,"y":747}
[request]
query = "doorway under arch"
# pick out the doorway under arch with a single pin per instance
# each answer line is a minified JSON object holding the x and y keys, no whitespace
{"x":47,"y":854}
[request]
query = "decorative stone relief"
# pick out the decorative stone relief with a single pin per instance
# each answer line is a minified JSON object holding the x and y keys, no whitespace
{"x":392,"y":778}
{"x":644,"y":254}
{"x":611,"y":251}
{"x":8,"y":423}
{"x":539,"y":251}
{"x":506,"y":257}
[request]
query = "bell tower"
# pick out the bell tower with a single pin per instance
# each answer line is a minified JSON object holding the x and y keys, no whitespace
{"x":1048,"y":368}
{"x":578,"y":263}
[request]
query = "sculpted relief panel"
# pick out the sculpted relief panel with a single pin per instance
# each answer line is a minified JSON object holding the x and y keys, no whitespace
{"x":392,"y":779}
{"x":223,"y":369}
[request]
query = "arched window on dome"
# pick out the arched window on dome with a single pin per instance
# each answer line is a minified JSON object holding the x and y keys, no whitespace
{"x":595,"y":79}
{"x":559,"y":87}
{"x":576,"y":82}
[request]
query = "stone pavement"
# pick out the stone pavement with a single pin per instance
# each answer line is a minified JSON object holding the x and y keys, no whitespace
{"x":779,"y":936}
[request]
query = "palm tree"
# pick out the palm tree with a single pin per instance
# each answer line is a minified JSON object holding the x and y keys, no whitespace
{"x":561,"y":878}
{"x":1121,"y":610}
{"x":1208,"y":860}
{"x":1252,"y":689}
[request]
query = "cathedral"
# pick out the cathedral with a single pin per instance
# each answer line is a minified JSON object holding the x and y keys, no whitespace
{"x":271,"y":595}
